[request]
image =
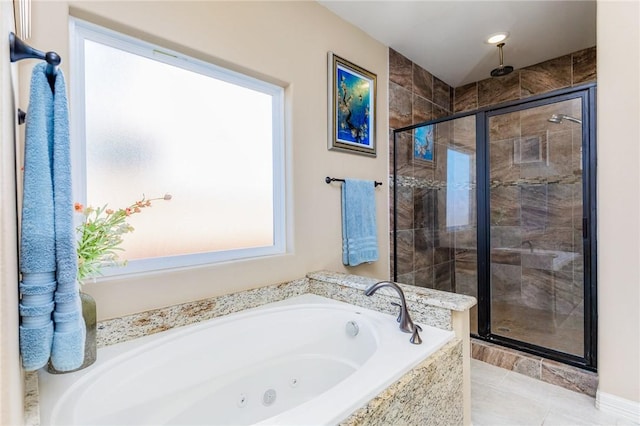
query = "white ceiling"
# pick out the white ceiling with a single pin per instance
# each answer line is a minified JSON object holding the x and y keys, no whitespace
{"x":448,"y":37}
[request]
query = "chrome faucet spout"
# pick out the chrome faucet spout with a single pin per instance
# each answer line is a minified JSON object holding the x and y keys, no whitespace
{"x":406,"y":324}
{"x":527,"y":242}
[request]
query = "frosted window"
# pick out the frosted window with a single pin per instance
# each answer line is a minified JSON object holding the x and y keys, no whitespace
{"x":153,"y":127}
{"x":458,"y":188}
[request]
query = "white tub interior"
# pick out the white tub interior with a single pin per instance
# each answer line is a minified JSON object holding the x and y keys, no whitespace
{"x":290,"y":362}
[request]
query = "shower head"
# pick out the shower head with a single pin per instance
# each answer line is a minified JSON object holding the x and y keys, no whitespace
{"x":558,"y":118}
{"x":502,"y":69}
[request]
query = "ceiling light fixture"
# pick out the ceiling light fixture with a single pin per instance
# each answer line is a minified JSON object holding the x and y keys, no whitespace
{"x":497,"y":37}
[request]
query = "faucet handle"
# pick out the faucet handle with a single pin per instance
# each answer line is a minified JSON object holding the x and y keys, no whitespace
{"x":399,"y":313}
{"x":415,"y":336}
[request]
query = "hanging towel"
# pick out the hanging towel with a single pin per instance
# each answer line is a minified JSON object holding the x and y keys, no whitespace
{"x":47,"y":244}
{"x":359,"y":230}
{"x":67,"y":351}
{"x":37,"y":241}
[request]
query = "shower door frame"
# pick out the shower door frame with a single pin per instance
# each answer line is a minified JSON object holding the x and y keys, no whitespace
{"x":587,"y":94}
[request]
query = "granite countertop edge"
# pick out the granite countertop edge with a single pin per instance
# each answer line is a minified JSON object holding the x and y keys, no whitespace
{"x":426,"y":296}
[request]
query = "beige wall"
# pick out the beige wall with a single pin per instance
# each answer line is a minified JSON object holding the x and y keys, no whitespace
{"x":285,"y":42}
{"x":619,"y":199}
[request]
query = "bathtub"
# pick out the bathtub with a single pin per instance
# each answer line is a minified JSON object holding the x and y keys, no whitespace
{"x":305,"y":360}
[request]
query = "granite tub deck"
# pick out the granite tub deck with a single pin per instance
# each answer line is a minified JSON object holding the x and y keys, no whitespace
{"x":437,"y":390}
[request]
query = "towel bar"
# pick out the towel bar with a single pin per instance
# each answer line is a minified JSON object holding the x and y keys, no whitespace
{"x":330,"y":179}
{"x":20,"y":50}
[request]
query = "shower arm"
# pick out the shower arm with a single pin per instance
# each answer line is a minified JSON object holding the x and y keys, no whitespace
{"x":501,"y":54}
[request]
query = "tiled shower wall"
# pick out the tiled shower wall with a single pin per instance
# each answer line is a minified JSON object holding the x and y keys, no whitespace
{"x":412,"y":101}
{"x":566,"y":71}
{"x":416,"y":96}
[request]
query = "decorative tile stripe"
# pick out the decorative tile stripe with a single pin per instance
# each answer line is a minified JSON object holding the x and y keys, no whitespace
{"x":422,"y":183}
{"x":413,"y":182}
{"x":542,"y":180}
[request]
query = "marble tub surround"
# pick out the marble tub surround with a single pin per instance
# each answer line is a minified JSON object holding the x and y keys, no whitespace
{"x":440,"y":385}
{"x":432,"y":307}
{"x":555,"y":373}
{"x":435,"y":380}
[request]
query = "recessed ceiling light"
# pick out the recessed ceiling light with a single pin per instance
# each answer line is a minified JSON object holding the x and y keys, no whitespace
{"x":497,"y":37}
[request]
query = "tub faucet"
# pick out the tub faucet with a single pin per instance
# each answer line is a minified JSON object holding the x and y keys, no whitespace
{"x":527,"y":242}
{"x":404,"y":318}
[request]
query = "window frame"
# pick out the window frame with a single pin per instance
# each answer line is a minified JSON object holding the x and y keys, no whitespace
{"x":79,"y":31}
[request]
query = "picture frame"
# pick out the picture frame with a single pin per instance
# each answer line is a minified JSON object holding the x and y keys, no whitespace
{"x":424,"y":144}
{"x":352,"y":107}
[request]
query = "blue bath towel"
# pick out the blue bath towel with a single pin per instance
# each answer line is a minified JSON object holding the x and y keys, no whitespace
{"x":67,"y":351}
{"x":359,"y":229}
{"x":37,"y":241}
{"x":47,"y":246}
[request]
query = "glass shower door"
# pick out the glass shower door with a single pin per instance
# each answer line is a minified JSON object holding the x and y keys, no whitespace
{"x":536,"y":226}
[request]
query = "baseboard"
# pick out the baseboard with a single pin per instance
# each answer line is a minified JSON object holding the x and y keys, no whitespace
{"x":619,"y":406}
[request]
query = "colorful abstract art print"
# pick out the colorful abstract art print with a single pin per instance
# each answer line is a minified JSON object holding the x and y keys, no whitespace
{"x":423,"y":143}
{"x":352,"y":100}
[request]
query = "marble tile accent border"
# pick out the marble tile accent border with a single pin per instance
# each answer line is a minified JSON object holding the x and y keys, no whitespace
{"x":433,"y":389}
{"x":536,"y":367}
{"x":541,"y":180}
{"x":414,"y":182}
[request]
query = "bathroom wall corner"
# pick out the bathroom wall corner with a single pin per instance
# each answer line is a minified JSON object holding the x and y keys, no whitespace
{"x":11,"y":373}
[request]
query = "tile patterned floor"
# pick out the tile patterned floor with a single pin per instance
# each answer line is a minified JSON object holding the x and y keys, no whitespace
{"x":503,"y":397}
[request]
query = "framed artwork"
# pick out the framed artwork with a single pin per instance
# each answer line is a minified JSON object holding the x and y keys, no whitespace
{"x":423,"y":147}
{"x":352,"y":107}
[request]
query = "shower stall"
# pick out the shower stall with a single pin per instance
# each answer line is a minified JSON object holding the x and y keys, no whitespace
{"x":499,"y":204}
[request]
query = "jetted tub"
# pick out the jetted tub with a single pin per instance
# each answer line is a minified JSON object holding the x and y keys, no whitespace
{"x":305,"y":360}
